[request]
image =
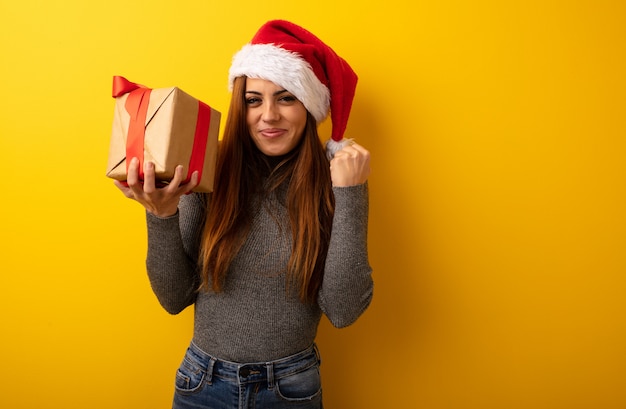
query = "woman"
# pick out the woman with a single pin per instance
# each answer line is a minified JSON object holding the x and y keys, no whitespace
{"x":282,"y":238}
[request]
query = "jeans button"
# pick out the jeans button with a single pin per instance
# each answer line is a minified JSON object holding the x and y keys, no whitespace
{"x":244,"y":372}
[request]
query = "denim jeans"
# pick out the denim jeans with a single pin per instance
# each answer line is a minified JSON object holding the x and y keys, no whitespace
{"x":203,"y":381}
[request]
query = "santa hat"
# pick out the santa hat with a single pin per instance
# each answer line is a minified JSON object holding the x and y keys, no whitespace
{"x":293,"y":58}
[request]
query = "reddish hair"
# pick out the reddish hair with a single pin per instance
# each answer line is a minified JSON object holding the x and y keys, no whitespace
{"x":309,"y":200}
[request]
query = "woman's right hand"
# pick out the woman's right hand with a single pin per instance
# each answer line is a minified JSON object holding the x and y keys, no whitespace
{"x":161,"y":202}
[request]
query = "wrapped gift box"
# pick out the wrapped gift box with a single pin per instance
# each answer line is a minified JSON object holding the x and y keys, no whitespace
{"x":165,"y":126}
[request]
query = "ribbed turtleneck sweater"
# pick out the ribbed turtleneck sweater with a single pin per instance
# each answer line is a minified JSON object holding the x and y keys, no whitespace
{"x":254,"y":318}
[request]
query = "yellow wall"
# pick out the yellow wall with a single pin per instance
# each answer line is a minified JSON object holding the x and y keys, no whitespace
{"x":498,"y":199}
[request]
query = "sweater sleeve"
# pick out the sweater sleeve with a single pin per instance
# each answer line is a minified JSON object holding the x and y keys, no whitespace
{"x":173,"y":249}
{"x":347,"y":288}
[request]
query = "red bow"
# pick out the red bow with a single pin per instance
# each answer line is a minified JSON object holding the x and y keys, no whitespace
{"x":122,"y":86}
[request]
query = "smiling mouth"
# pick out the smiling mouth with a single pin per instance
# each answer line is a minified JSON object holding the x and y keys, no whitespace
{"x":272,"y":132}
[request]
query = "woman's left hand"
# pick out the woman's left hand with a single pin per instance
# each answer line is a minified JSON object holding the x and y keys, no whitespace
{"x":350,"y":166}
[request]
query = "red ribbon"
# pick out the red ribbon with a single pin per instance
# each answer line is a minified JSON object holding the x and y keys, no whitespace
{"x":137,"y":107}
{"x":201,"y":136}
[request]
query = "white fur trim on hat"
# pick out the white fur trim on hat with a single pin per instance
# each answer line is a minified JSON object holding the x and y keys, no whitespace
{"x":286,"y":69}
{"x":332,"y":146}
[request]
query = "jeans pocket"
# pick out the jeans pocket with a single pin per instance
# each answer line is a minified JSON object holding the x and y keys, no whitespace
{"x":305,"y":385}
{"x":190,"y":376}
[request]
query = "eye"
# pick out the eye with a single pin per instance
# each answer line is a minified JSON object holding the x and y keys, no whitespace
{"x":253,"y":101}
{"x":288,"y":99}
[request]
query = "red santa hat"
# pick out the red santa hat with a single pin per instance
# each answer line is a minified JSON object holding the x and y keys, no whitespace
{"x":293,"y":58}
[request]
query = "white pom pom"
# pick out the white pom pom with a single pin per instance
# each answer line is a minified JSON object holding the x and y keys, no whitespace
{"x":333,"y":146}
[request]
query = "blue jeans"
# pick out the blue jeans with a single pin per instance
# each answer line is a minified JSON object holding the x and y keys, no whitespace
{"x":203,"y":381}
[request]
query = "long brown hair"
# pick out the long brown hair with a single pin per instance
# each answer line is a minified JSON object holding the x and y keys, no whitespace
{"x":309,"y":200}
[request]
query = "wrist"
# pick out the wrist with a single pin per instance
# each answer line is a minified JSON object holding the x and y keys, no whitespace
{"x":164,"y":214}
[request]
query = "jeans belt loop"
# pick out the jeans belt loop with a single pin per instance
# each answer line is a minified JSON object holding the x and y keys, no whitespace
{"x":317,"y":354}
{"x":209,"y":370}
{"x":270,"y":375}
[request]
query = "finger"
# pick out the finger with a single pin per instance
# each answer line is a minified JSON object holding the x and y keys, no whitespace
{"x":124,"y":189}
{"x":345,"y":152}
{"x":133,"y":181}
{"x":176,"y":180}
{"x":357,"y":153}
{"x":193,"y":182}
{"x":189,"y":186}
{"x":132,"y":174}
{"x":360,"y":149}
{"x":149,"y":177}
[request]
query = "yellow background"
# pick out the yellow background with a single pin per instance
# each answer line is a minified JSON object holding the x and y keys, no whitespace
{"x":498,"y":223}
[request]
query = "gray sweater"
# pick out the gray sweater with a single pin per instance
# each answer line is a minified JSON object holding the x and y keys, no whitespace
{"x":254,"y":318}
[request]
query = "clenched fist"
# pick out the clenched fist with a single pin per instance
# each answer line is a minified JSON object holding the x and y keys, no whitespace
{"x":350,"y":166}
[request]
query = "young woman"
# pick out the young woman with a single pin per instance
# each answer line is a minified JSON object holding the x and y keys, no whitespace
{"x":280,"y":241}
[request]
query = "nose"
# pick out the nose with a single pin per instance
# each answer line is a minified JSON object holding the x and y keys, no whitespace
{"x":270,"y":112}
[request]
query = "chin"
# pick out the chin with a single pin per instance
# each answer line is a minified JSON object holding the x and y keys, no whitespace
{"x":274,"y":151}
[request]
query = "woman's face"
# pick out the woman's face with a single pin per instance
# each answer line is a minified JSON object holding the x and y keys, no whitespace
{"x":275,"y":118}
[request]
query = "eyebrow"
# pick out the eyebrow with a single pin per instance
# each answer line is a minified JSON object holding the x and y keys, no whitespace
{"x":274,"y":94}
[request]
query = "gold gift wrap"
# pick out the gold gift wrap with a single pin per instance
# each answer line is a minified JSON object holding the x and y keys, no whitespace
{"x":170,"y":131}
